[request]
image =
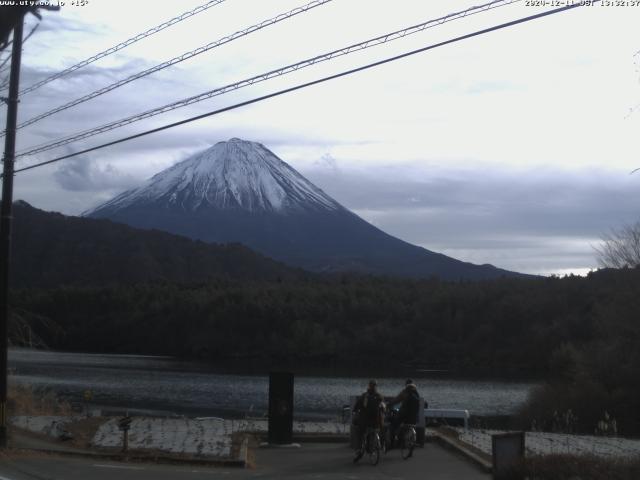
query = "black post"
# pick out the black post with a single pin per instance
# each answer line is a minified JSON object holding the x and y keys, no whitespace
{"x":280,"y":408}
{"x":5,"y":219}
{"x":125,"y":441}
{"x":508,"y":454}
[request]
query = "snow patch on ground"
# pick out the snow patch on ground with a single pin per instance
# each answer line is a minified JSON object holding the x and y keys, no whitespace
{"x":542,"y":443}
{"x":207,"y":437}
{"x":202,"y":437}
{"x":50,"y":425}
{"x":328,"y":428}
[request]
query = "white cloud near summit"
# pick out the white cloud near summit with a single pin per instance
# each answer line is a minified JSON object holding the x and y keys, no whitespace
{"x":81,"y":174}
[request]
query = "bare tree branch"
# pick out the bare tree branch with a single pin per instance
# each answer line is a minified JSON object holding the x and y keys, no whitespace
{"x":620,"y":248}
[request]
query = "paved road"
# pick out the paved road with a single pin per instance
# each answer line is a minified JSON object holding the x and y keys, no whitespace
{"x":311,"y":461}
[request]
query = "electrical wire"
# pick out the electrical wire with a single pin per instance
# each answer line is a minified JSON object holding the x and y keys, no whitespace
{"x":178,"y":59}
{"x":307,"y":84}
{"x":122,"y":45}
{"x":3,"y":65}
{"x":266,"y":76}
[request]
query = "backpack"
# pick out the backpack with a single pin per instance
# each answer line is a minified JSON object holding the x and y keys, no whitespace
{"x":411,"y":406}
{"x":371,"y":403}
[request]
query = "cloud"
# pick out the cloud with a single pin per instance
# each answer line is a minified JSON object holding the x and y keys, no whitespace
{"x":327,"y":161}
{"x":82,"y":174}
{"x":537,"y":221}
{"x":490,"y":87}
{"x":56,"y":23}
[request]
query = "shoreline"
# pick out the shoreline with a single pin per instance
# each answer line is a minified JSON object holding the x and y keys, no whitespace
{"x":256,"y":367}
{"x":175,"y":388}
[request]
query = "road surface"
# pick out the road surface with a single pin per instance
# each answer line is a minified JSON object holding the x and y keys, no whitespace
{"x":311,"y":461}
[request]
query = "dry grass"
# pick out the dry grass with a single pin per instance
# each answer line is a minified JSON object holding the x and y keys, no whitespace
{"x":83,"y":431}
{"x":254,"y":444}
{"x":25,"y":400}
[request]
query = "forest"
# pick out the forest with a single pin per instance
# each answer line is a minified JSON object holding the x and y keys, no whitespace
{"x":579,"y":335}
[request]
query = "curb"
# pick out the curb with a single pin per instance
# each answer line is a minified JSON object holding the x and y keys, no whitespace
{"x":320,"y":438}
{"x":452,"y":444}
{"x":140,"y":456}
{"x":137,"y":457}
{"x":310,"y":437}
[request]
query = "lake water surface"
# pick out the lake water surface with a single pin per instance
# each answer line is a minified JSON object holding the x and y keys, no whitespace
{"x":159,"y":385}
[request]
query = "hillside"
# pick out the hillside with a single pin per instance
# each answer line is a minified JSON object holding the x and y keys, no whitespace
{"x":51,"y":249}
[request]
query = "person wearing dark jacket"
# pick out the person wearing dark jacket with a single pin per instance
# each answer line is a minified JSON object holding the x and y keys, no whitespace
{"x":368,"y":412}
{"x":409,"y":400}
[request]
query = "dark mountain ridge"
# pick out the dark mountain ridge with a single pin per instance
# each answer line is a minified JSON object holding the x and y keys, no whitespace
{"x":50,"y":249}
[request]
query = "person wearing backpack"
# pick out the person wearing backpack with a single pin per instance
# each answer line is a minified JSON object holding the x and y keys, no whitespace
{"x":368,"y":412}
{"x":409,"y":400}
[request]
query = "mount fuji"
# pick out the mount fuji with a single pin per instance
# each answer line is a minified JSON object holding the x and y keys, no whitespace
{"x":239,"y":191}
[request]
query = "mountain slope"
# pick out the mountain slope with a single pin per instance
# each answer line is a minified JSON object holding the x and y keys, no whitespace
{"x":239,"y":191}
{"x":50,"y":249}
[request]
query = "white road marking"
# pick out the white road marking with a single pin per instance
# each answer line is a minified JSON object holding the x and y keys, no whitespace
{"x":122,"y":467}
{"x":4,"y":478}
{"x":207,"y":472}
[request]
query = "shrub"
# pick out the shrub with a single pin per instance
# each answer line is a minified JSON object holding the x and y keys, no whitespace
{"x":573,"y":467}
{"x":25,"y":400}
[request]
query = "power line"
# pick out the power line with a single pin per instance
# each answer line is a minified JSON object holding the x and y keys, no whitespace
{"x":4,"y":62}
{"x":307,"y":84}
{"x":266,"y":76}
{"x":122,"y":45}
{"x":178,"y":59}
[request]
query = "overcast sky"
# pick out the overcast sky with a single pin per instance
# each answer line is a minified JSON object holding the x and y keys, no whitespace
{"x":514,"y":148}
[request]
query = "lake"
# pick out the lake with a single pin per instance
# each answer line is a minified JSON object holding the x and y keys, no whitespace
{"x":166,"y":386}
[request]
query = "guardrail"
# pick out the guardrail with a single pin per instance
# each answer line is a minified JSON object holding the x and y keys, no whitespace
{"x":447,"y":413}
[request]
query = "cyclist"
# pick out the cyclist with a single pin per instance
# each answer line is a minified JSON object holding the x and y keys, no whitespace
{"x":409,"y":400}
{"x":369,"y":413}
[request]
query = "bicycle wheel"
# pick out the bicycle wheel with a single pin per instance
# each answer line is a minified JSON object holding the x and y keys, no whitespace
{"x":384,"y":443}
{"x":408,"y":443}
{"x":373,"y":449}
{"x":358,"y":456}
{"x":360,"y":452}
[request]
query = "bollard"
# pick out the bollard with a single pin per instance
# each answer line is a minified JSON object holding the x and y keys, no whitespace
{"x":280,"y":408}
{"x":125,"y":441}
{"x":508,"y":453}
{"x":87,"y":397}
{"x":125,"y":424}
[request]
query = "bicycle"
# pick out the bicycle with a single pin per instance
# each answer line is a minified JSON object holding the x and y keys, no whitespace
{"x":371,"y":445}
{"x":405,"y":437}
{"x":408,"y":440}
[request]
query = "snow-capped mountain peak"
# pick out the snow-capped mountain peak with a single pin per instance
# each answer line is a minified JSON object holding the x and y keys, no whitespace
{"x":236,"y":174}
{"x":239,"y":191}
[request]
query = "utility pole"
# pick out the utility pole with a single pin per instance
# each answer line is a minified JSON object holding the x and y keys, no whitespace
{"x":5,"y":219}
